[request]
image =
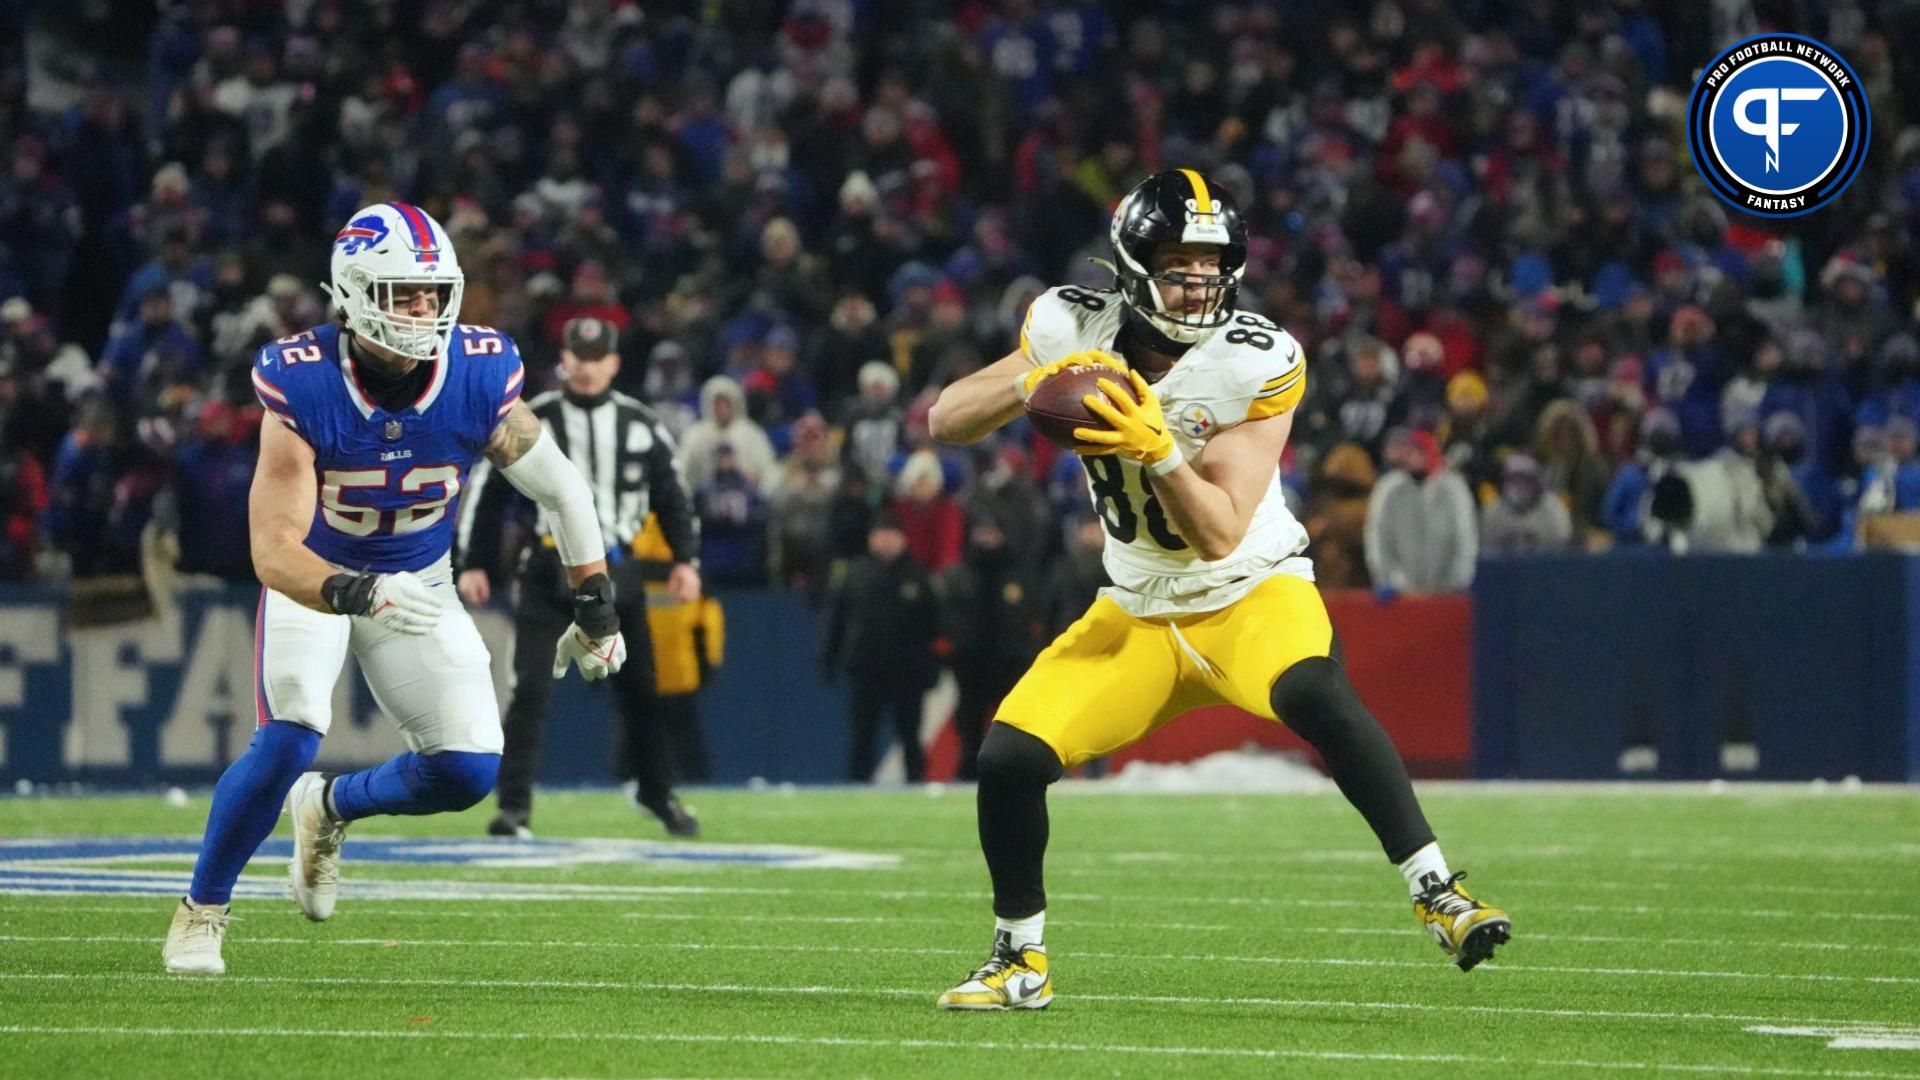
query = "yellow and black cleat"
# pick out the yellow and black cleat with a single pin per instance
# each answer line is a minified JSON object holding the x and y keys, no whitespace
{"x":1468,"y":929}
{"x":1010,"y":979}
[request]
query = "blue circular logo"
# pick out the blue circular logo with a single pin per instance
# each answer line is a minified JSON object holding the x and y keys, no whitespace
{"x":1778,"y":125}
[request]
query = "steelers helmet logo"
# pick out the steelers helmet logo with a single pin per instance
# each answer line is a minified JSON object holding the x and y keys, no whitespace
{"x":1778,"y":125}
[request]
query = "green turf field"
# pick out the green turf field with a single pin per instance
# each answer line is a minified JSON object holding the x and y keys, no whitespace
{"x":1655,"y":930}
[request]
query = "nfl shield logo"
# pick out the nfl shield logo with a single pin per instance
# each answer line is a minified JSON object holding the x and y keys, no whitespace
{"x":393,"y":431}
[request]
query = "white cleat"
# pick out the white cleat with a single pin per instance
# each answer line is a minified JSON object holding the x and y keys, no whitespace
{"x":193,"y":941}
{"x":315,"y":869}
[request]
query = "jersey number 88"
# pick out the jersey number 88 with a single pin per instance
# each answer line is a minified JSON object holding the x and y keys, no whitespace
{"x":1114,"y":504}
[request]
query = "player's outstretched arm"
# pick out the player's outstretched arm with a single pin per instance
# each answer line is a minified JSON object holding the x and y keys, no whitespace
{"x":974,"y":407}
{"x":527,"y":456}
{"x":1212,"y":499}
{"x":279,"y":513}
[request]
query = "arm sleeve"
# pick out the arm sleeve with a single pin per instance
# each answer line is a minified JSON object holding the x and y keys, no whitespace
{"x":544,"y":475}
{"x":670,"y":498}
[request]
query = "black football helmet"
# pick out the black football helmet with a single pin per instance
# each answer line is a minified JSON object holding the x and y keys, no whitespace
{"x":1178,"y":206}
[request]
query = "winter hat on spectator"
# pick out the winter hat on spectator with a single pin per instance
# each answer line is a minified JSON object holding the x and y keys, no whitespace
{"x":1659,"y":421}
{"x":1423,"y":352}
{"x":1466,"y":392}
{"x":879,"y":377}
{"x":1783,"y":429}
{"x":921,"y":466}
{"x":16,"y":310}
{"x":1429,"y":450}
{"x":1520,"y":481}
{"x":858,"y":195}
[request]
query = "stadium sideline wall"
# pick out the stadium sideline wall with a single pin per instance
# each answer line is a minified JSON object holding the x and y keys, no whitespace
{"x":1557,"y":667}
{"x":1768,"y":667}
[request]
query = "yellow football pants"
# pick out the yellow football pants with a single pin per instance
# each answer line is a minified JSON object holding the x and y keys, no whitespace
{"x":1110,"y":679}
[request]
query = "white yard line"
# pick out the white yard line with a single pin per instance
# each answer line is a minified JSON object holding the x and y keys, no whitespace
{"x":572,"y":892}
{"x":1190,"y":958}
{"x":937,"y":1044}
{"x":140,"y":904}
{"x":1797,"y":1023}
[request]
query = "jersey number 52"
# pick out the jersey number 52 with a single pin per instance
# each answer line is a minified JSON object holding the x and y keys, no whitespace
{"x":365,"y":520}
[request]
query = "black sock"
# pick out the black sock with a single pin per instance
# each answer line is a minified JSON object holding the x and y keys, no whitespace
{"x":1317,"y":701}
{"x":1015,"y":769}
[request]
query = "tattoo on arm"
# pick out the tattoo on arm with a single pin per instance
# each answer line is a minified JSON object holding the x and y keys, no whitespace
{"x":513,"y":436}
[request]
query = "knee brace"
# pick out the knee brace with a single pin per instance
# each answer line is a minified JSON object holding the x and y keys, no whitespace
{"x":1009,"y":755}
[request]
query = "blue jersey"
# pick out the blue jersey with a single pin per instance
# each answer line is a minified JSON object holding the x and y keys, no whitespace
{"x":388,"y":480}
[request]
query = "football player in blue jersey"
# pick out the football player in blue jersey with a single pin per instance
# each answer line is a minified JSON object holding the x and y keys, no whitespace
{"x":375,"y":420}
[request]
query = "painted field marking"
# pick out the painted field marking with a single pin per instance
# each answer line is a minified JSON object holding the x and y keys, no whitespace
{"x":1800,"y":1023}
{"x":1196,"y":958}
{"x":1851,"y":1035}
{"x":937,"y":1044}
{"x":46,"y":882}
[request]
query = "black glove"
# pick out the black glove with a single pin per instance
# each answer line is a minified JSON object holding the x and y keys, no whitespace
{"x":593,"y":610}
{"x":349,"y":594}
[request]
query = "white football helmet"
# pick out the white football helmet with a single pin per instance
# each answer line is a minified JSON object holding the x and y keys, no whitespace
{"x":393,"y":246}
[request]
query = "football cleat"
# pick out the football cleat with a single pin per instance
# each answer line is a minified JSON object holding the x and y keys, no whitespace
{"x":1010,"y":979}
{"x":1468,"y":929}
{"x":510,"y":825}
{"x":193,"y":941}
{"x":317,"y":837}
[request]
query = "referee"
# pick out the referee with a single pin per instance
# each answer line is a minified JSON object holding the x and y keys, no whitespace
{"x":625,"y":453}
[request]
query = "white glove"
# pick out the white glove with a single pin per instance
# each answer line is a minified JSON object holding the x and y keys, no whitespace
{"x":405,"y":603}
{"x":399,"y":601}
{"x":597,"y":657}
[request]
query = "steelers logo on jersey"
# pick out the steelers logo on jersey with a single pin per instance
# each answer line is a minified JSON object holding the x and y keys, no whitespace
{"x":1198,"y":421}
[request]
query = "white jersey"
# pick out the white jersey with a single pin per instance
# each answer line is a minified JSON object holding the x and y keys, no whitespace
{"x":1248,"y":369}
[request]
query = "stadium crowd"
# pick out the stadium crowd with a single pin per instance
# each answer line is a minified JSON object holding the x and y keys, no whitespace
{"x":1530,"y":325}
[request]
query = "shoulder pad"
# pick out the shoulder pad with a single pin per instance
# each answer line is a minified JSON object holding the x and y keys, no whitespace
{"x":1264,"y":365}
{"x":1057,"y":321}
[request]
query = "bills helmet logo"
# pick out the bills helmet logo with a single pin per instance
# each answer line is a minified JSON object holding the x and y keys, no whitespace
{"x":361,"y":233}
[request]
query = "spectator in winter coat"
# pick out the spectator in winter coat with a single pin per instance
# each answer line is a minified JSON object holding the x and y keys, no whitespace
{"x":990,"y":602}
{"x":1730,"y":511}
{"x":881,"y":619}
{"x":1568,"y":450}
{"x":929,"y":516}
{"x":1337,"y":517}
{"x":1523,"y":520}
{"x":1421,"y":532}
{"x":723,"y":419}
{"x":801,"y":507}
{"x":1627,"y":506}
{"x":1783,"y":450}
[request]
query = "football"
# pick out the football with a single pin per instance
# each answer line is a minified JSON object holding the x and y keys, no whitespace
{"x":1056,"y":407}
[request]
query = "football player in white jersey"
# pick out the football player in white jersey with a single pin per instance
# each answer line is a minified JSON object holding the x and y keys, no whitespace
{"x":1213,"y":598}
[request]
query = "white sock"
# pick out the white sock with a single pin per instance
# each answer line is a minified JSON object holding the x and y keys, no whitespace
{"x":1023,"y":932}
{"x":1421,"y":866}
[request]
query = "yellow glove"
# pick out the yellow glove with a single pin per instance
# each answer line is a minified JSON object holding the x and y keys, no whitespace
{"x":1027,"y":381}
{"x":1139,"y":428}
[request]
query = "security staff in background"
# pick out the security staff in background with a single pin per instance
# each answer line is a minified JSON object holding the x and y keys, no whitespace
{"x":628,"y":459}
